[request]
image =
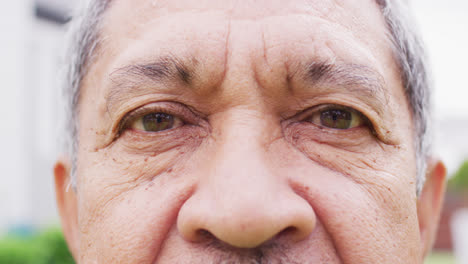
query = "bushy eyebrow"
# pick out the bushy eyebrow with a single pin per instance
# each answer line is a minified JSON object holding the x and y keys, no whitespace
{"x":361,"y":80}
{"x":127,"y":81}
{"x":161,"y":69}
{"x":323,"y":77}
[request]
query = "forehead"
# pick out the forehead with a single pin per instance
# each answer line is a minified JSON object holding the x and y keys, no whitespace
{"x":233,"y":39}
{"x":177,"y":24}
{"x":229,"y":35}
{"x":355,"y":12}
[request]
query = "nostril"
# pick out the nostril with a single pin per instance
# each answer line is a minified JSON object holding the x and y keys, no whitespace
{"x":204,"y":235}
{"x":289,"y":231}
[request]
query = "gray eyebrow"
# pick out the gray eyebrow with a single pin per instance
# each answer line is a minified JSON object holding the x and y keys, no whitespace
{"x":158,"y":70}
{"x":360,"y":80}
{"x":127,"y":81}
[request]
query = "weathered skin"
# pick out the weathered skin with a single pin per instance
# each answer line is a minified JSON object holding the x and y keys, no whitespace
{"x":245,"y":178}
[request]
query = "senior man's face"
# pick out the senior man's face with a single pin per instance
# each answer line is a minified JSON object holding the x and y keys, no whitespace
{"x":246,"y":132}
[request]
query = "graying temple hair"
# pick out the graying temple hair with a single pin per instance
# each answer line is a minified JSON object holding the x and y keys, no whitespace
{"x":408,"y":50}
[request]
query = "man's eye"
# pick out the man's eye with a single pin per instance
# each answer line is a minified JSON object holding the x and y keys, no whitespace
{"x":337,"y":118}
{"x":156,"y":122}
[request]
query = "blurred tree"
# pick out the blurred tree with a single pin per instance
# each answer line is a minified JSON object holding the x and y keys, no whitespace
{"x":47,"y":247}
{"x":459,"y":181}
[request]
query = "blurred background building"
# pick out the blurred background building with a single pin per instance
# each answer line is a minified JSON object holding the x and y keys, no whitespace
{"x":32,"y":34}
{"x":32,"y":38}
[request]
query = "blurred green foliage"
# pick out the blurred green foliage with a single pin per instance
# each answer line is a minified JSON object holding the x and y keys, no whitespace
{"x":440,"y":258}
{"x":46,"y":247}
{"x":459,"y":181}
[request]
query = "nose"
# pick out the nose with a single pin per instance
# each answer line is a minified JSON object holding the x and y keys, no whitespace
{"x":243,"y":201}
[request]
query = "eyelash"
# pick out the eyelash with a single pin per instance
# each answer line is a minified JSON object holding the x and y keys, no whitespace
{"x":187,"y":116}
{"x":304,"y":115}
{"x":173,"y":109}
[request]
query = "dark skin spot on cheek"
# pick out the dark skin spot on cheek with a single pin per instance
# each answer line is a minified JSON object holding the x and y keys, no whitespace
{"x":150,"y":184}
{"x":99,"y":133}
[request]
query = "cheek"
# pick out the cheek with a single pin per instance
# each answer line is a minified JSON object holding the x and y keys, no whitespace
{"x":142,"y":221}
{"x":129,"y":223}
{"x":361,"y":193}
{"x":359,"y":156}
{"x":131,"y":161}
{"x":366,"y":225}
{"x":129,"y":196}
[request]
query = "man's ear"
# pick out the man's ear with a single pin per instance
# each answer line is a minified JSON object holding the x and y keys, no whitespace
{"x":67,"y":203}
{"x":430,"y":203}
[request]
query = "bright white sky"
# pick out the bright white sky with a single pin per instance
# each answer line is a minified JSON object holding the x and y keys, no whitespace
{"x":444,"y":25}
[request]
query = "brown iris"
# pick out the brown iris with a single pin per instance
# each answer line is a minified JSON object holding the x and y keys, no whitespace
{"x":155,"y":122}
{"x":336,"y":118}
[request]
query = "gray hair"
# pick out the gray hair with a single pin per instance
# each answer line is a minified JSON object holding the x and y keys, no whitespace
{"x":83,"y":41}
{"x":407,"y":47}
{"x":410,"y":55}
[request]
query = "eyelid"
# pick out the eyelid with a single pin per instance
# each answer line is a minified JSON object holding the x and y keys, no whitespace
{"x":323,"y":107}
{"x":171,"y":108}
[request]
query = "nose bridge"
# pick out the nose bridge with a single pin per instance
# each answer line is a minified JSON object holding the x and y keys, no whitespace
{"x":241,"y":175}
{"x":240,"y":178}
{"x":241,"y":200}
{"x":241,"y":150}
{"x":241,"y":157}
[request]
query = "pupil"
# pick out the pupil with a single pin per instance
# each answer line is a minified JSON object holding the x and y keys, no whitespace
{"x":335,"y":118}
{"x":157,"y":122}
